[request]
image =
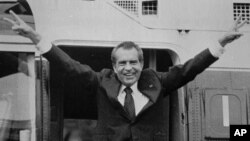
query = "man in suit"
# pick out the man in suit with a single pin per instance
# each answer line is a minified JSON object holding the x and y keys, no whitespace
{"x":129,"y":99}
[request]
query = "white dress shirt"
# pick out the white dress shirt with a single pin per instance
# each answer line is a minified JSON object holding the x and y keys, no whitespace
{"x":140,"y":100}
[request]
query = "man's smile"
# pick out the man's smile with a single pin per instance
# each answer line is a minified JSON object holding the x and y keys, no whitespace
{"x":129,"y":74}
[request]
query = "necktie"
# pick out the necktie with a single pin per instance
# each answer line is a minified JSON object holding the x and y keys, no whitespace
{"x":129,"y":105}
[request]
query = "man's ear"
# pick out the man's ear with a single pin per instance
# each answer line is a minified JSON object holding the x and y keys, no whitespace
{"x":142,"y":64}
{"x":114,"y":68}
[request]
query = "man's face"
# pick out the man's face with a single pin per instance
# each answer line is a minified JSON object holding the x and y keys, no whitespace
{"x":127,"y":66}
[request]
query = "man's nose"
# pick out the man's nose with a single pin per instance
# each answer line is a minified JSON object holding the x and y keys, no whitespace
{"x":128,"y":66}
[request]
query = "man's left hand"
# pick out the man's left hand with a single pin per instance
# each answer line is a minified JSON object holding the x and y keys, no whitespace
{"x":233,"y":33}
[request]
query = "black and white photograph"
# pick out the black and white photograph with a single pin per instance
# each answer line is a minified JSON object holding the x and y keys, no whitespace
{"x":124,"y":70}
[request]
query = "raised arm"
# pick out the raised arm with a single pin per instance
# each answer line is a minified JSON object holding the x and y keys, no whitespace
{"x":181,"y":74}
{"x":21,"y":28}
{"x":55,"y":55}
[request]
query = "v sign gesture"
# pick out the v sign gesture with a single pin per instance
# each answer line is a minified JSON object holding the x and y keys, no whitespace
{"x":233,"y":33}
{"x":23,"y":29}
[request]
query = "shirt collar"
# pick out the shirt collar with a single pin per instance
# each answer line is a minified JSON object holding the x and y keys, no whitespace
{"x":133,"y":87}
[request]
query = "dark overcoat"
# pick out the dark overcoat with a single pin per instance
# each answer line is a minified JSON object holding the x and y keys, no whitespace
{"x":113,"y":122}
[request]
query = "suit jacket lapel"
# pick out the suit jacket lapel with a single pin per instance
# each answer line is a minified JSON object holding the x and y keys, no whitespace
{"x":112,"y":86}
{"x":148,"y":84}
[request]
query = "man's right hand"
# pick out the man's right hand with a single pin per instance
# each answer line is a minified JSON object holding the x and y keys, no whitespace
{"x":23,"y":29}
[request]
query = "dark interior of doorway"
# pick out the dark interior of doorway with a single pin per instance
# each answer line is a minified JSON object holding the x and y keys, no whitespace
{"x":70,"y":116}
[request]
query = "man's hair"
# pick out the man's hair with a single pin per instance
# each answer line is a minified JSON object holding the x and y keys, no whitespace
{"x":127,"y":45}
